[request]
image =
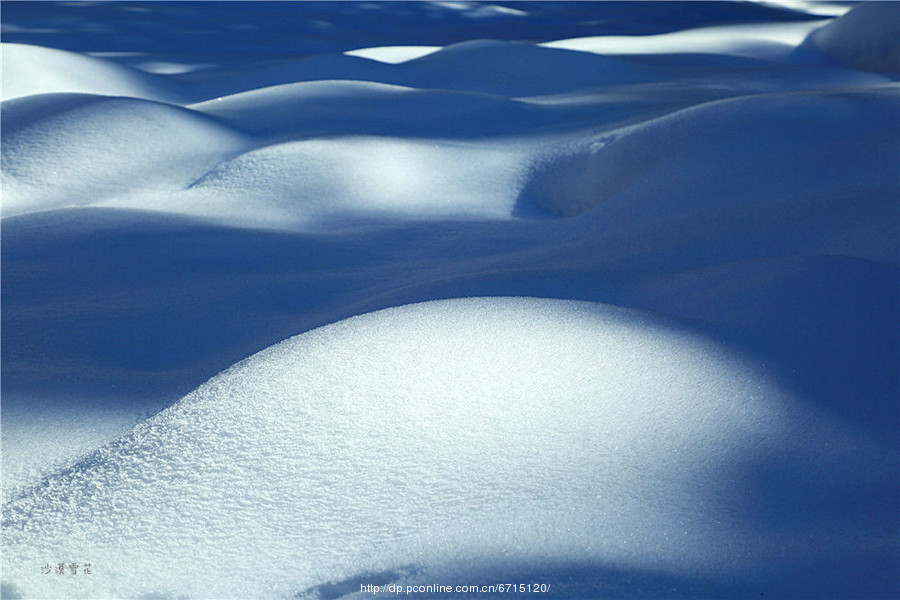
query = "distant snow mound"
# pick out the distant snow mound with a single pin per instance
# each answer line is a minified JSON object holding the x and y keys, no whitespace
{"x":711,"y":162}
{"x":29,"y":70}
{"x":866,"y":38}
{"x":71,"y":149}
{"x":310,"y":109}
{"x":518,"y":70}
{"x":314,"y":182}
{"x":436,"y":433}
{"x":766,"y":41}
{"x":393,"y":54}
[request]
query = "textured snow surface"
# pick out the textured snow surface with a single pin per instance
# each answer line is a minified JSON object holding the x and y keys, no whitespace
{"x":867,"y":37}
{"x":300,"y":297}
{"x":60,"y":148}
{"x":445,"y":432}
{"x":767,"y":41}
{"x":30,"y":70}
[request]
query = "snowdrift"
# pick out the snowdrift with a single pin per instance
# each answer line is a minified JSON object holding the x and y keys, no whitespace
{"x":704,"y":158}
{"x":867,"y":37}
{"x":442,"y":433}
{"x":70,"y":149}
{"x":30,"y":70}
{"x":312,"y":296}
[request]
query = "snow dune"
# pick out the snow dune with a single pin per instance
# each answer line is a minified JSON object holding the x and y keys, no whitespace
{"x":448,"y":433}
{"x":592,"y":295}
{"x":770,"y":42}
{"x":867,"y":37}
{"x":393,"y":54}
{"x":651,"y":164}
{"x":328,"y":108}
{"x":331,"y":182}
{"x":64,"y":149}
{"x":30,"y":70}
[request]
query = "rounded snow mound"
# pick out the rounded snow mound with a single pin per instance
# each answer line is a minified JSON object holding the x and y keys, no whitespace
{"x":29,"y":70}
{"x":867,"y":37}
{"x":73,"y":149}
{"x":480,"y":66}
{"x":335,"y":107}
{"x":518,"y":70}
{"x":324,"y":183}
{"x":393,"y":54}
{"x":765,"y":41}
{"x":704,"y":164}
{"x":449,"y":432}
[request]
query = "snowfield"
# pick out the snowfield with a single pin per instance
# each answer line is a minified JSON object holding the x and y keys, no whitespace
{"x":299,"y":298}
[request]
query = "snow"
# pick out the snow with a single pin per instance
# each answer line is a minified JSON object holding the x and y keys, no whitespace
{"x":826,"y":8}
{"x":353,"y":177}
{"x":299,"y":297}
{"x":59,"y":149}
{"x":430,"y":422}
{"x":393,"y":54}
{"x":30,"y":70}
{"x":641,"y":169}
{"x":76,"y":430}
{"x":760,"y":41}
{"x":867,"y":37}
